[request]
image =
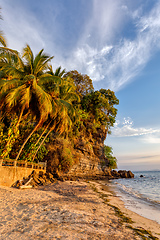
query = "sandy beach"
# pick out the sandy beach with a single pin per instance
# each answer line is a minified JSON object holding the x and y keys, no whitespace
{"x":69,"y":210}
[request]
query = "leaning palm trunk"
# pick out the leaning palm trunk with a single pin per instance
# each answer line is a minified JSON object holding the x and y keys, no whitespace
{"x":29,"y":136}
{"x":42,"y":133}
{"x":40,"y":139}
{"x":20,"y":117}
{"x":61,"y":130}
{"x":42,"y":143}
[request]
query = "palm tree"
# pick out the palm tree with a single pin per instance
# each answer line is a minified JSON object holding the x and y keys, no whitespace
{"x":37,"y":65}
{"x":24,"y":92}
{"x":23,"y":78}
{"x":62,"y":121}
{"x":29,"y":86}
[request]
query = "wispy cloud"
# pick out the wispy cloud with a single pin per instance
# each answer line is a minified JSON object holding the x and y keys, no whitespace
{"x":138,"y":158}
{"x":100,"y":50}
{"x":125,"y":59}
{"x":127,"y":129}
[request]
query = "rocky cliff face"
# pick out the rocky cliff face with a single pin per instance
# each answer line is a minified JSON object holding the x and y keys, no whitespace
{"x":91,"y":158}
{"x":86,"y":159}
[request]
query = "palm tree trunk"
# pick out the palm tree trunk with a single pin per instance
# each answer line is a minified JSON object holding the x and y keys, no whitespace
{"x":36,"y":127}
{"x":42,"y":134}
{"x":42,"y":143}
{"x":20,"y":117}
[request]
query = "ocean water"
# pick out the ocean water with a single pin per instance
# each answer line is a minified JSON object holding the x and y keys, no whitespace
{"x":141,"y":194}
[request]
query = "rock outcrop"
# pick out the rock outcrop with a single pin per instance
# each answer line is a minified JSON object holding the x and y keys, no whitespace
{"x":42,"y":179}
{"x":85,"y":160}
{"x":35,"y":179}
{"x":86,"y":157}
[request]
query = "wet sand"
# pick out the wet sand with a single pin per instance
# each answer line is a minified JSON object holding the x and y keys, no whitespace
{"x":67,"y":210}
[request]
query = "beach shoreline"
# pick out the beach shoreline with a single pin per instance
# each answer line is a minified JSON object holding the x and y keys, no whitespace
{"x":138,"y":203}
{"x":138,"y":220}
{"x":69,"y":210}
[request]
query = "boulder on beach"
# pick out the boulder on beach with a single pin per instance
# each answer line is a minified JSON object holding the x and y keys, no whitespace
{"x":35,"y":179}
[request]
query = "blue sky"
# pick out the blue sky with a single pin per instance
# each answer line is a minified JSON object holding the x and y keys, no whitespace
{"x":116,"y":43}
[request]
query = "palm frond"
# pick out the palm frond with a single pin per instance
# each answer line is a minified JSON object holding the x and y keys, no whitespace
{"x":68,"y":93}
{"x":2,"y":39}
{"x":54,"y":109}
{"x":37,"y":61}
{"x":71,"y":111}
{"x":42,"y":64}
{"x":12,"y":98}
{"x":6,"y":85}
{"x":12,"y":70}
{"x":59,"y":73}
{"x":50,"y":70}
{"x":44,"y":103}
{"x":7,"y":53}
{"x":50,"y":84}
{"x":28,"y":55}
{"x":47,"y":78}
{"x":25,"y":97}
{"x":5,"y":49}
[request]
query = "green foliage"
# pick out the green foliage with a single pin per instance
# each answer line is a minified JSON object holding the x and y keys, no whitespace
{"x":8,"y":138}
{"x":143,"y":233}
{"x":82,"y":82}
{"x":66,"y":152}
{"x":100,"y":105}
{"x":66,"y":158}
{"x":2,"y":139}
{"x":108,"y":154}
{"x":41,"y":98}
{"x":79,"y":123}
{"x":62,"y":153}
{"x":31,"y":147}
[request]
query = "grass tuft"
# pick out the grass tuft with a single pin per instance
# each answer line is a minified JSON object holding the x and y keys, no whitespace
{"x":145,"y":234}
{"x":120,"y":214}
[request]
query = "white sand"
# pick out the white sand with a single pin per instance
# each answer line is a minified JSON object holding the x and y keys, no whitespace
{"x":65,"y":210}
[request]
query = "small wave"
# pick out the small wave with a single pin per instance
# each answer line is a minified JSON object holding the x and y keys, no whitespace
{"x":135,"y":194}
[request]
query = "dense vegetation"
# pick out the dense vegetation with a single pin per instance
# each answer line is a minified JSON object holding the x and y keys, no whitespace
{"x":39,"y":105}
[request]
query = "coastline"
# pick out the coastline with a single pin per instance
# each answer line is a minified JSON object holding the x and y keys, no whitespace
{"x":137,"y":203}
{"x":138,"y":220}
{"x":69,"y":210}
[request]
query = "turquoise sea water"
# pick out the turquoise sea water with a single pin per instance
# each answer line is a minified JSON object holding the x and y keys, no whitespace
{"x":141,"y":194}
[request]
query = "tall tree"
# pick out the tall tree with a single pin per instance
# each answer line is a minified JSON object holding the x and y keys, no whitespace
{"x":100,"y":105}
{"x":24,"y":91}
{"x":66,"y":114}
{"x":30,"y":87}
{"x":82,"y":81}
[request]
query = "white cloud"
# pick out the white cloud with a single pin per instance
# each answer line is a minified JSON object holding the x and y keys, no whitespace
{"x":89,"y":60}
{"x":121,"y":62}
{"x":101,"y":52}
{"x":104,"y":24}
{"x":127,"y":129}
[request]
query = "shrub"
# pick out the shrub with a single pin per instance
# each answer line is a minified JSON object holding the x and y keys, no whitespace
{"x":108,"y":154}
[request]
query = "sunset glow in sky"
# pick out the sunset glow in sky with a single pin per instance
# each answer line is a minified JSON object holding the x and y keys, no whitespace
{"x":116,"y":43}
